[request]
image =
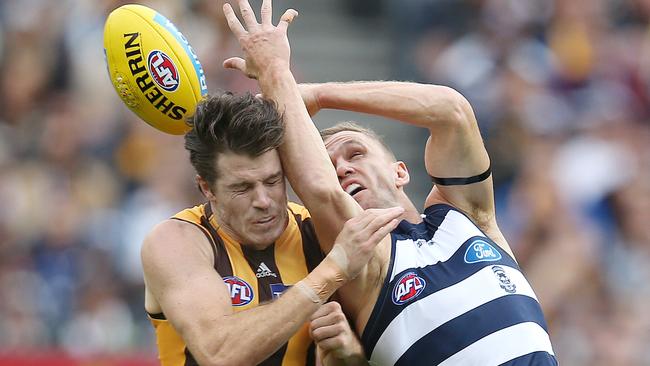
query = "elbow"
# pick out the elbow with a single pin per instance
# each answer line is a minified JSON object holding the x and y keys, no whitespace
{"x":449,"y":107}
{"x":221,"y":351}
{"x":226,"y":357}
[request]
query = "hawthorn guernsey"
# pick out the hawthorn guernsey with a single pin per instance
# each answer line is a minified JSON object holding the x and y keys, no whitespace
{"x":152,"y":67}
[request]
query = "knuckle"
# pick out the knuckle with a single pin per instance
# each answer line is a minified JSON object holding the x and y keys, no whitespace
{"x":337,"y":342}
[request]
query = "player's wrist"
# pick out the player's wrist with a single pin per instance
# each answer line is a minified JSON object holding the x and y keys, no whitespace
{"x":275,"y":69}
{"x":323,"y":281}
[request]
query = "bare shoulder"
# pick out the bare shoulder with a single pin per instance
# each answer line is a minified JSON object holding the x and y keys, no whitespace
{"x":174,"y":242}
{"x":483,"y":215}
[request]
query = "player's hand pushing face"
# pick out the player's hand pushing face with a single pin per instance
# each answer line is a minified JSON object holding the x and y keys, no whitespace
{"x":264,"y":44}
{"x":360,"y":236}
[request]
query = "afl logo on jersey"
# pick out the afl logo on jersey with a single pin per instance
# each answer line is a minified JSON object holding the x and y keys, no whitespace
{"x":241,"y":293}
{"x":407,"y":288}
{"x":163,"y":71}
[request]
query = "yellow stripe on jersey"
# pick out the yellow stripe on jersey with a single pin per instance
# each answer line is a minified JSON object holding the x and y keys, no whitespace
{"x":290,"y":260}
{"x":171,"y":347}
{"x":240,"y":267}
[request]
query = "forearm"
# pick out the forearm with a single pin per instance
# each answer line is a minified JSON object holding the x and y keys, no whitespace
{"x":241,"y":340}
{"x":305,"y":160}
{"x":421,"y":105}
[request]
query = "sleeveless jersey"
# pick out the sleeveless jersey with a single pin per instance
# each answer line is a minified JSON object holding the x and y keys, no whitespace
{"x":252,"y":277}
{"x":452,"y":296}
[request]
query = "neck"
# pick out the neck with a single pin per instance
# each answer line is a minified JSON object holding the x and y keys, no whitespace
{"x":411,"y":213}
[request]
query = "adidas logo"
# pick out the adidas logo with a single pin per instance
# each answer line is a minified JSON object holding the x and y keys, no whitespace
{"x":264,"y":271}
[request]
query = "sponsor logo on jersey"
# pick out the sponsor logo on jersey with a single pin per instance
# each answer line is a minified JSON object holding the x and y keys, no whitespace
{"x":163,"y":71}
{"x":481,"y":251}
{"x":241,"y":293}
{"x":264,"y":271}
{"x":407,"y":288}
{"x":153,"y":94}
{"x":504,"y":280}
{"x":278,"y":289}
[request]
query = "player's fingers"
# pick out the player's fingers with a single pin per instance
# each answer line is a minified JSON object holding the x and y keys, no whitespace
{"x":328,"y":319}
{"x":327,"y":308}
{"x":384,"y":217}
{"x":383,"y":231}
{"x":247,"y":14}
{"x":287,"y":18}
{"x":267,"y":12}
{"x":236,"y":63}
{"x":374,"y":218}
{"x":330,"y":343}
{"x":320,"y":322}
{"x":328,"y":331}
{"x":233,"y":23}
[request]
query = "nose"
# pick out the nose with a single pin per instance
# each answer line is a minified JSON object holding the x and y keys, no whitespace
{"x":343,"y":168}
{"x":261,"y":198}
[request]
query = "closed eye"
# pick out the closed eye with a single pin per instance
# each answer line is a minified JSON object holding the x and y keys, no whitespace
{"x":273,"y":180}
{"x":356,"y":154}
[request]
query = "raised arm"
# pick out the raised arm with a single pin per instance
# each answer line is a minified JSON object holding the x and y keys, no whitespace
{"x":304,"y":158}
{"x":454,"y":148}
{"x":182,"y":283}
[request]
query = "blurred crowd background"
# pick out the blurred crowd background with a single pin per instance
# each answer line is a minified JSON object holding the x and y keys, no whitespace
{"x":561,"y":90}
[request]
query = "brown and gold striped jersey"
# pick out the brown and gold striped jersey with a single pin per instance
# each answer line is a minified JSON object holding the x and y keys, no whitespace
{"x":253,"y":277}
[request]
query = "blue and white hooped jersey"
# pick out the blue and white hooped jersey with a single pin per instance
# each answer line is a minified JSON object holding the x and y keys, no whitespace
{"x":453,"y":297}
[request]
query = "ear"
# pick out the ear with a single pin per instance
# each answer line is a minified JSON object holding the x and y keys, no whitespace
{"x":204,"y":187}
{"x":402,"y":176}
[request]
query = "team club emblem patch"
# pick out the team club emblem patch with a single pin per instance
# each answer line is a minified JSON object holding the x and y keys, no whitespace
{"x":504,"y":280}
{"x":163,"y":71}
{"x":407,"y":288}
{"x":241,"y":293}
{"x":481,"y":251}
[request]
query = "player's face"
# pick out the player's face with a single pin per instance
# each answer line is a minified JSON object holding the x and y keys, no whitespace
{"x":251,"y":198}
{"x":364,"y":168}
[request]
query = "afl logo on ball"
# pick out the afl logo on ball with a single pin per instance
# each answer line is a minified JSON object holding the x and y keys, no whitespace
{"x":407,"y":288}
{"x":163,"y":71}
{"x":241,"y":292}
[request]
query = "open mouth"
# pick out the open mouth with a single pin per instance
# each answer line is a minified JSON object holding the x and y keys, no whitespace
{"x":353,"y":189}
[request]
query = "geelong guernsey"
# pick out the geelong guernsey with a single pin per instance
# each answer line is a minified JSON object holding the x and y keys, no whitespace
{"x":453,"y":297}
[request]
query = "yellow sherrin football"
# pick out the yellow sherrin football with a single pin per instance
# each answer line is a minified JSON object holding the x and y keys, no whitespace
{"x":152,"y":67}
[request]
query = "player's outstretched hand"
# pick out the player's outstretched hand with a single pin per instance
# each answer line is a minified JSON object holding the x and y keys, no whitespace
{"x":264,"y":44}
{"x":355,"y":244}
